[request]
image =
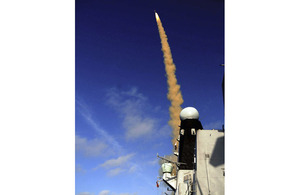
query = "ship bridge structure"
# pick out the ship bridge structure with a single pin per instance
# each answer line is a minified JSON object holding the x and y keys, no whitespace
{"x":200,"y":166}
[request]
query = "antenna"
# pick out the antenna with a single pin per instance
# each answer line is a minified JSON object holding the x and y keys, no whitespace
{"x":170,"y":161}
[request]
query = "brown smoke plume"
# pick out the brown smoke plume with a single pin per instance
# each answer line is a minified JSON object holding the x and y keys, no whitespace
{"x":174,"y":94}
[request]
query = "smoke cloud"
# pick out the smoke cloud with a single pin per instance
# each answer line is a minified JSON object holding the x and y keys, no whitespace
{"x":174,"y":93}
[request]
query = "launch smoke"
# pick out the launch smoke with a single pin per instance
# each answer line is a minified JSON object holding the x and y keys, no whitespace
{"x":174,"y":93}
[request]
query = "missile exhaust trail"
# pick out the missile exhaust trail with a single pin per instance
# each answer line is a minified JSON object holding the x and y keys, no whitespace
{"x":174,"y":93}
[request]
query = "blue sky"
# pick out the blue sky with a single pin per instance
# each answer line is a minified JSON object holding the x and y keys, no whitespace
{"x":121,"y":89}
{"x":38,"y":99}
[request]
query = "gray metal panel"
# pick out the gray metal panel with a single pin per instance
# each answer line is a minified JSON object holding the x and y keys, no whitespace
{"x":182,"y":185}
{"x":210,"y":162}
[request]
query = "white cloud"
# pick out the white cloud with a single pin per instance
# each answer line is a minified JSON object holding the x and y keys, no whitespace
{"x":79,"y":169}
{"x":116,"y":171}
{"x":118,"y":165}
{"x":91,"y":148}
{"x":107,"y":192}
{"x":85,"y":112}
{"x":104,"y":192}
{"x":164,"y":131}
{"x":153,"y":162}
{"x":138,"y":126}
{"x":134,"y":93}
{"x":132,"y":169}
{"x":117,"y":162}
{"x":132,"y":105}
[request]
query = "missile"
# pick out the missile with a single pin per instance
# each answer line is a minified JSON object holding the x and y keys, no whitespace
{"x":156,"y":15}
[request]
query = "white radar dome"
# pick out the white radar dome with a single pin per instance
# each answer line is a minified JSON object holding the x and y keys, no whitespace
{"x":189,"y":113}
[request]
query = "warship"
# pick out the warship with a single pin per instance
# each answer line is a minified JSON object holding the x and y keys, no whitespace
{"x":200,"y":166}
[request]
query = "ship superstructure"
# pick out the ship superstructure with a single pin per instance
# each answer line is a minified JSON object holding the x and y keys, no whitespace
{"x":200,"y":165}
